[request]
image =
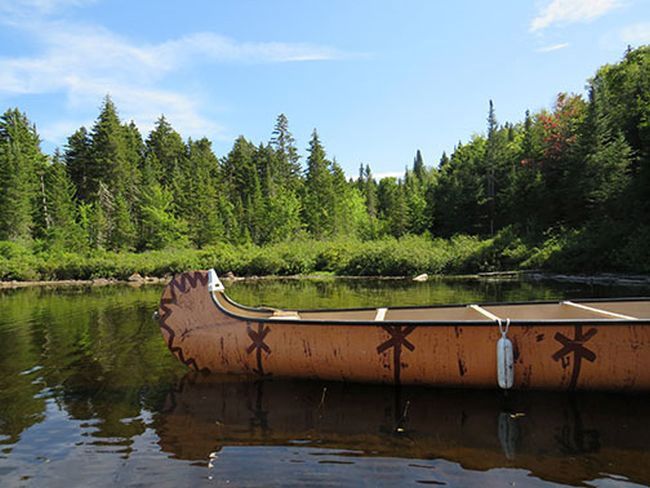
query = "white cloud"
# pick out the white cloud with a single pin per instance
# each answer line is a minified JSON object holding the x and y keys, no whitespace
{"x":219,"y":48}
{"x":84,"y":62}
{"x":14,"y":10}
{"x":553,"y":47}
{"x":571,"y":11}
{"x":636,"y":34}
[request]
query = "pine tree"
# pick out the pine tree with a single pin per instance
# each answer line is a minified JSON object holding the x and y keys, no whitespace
{"x":159,"y":227}
{"x":242,"y":185}
{"x":608,"y":162}
{"x":369,"y":190}
{"x":109,"y":164}
{"x":393,"y":206}
{"x":122,"y":230}
{"x":418,"y":166}
{"x":60,"y":210}
{"x":444,"y":160}
{"x":134,"y":154}
{"x":79,"y":165}
{"x":198,"y":204}
{"x":414,"y":189}
{"x":318,"y":198}
{"x":20,"y":159}
{"x":165,"y":153}
{"x":282,"y":141}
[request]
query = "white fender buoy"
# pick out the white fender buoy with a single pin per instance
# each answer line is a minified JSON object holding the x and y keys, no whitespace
{"x":505,"y":358}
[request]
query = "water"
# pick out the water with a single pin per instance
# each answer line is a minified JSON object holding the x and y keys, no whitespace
{"x":89,"y":395}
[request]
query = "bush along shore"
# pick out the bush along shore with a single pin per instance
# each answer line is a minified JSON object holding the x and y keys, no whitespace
{"x":405,"y":256}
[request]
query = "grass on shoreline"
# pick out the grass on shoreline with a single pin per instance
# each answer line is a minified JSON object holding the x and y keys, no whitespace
{"x":407,"y":256}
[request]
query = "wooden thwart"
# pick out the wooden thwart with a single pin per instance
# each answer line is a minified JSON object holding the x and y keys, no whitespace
{"x":484,"y":312}
{"x":381,"y":314}
{"x":599,"y":311}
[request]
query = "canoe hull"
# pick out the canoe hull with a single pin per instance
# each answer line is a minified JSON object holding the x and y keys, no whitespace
{"x":547,"y":356}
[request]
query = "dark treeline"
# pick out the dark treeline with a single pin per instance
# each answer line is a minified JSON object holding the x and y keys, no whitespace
{"x":574,"y":180}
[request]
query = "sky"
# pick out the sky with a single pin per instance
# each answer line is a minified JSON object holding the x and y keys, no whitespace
{"x":377,"y":79}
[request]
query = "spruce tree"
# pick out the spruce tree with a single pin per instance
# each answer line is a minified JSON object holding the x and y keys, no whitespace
{"x":165,"y":153}
{"x":108,"y":154}
{"x":198,"y":205}
{"x":159,"y":227}
{"x":62,"y":228}
{"x":282,"y":141}
{"x":318,"y":197}
{"x":78,"y":163}
{"x":418,"y":166}
{"x":242,"y":185}
{"x":122,"y":231}
{"x":20,"y":159}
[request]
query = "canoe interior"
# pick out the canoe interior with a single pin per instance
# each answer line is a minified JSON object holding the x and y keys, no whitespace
{"x":624,"y":310}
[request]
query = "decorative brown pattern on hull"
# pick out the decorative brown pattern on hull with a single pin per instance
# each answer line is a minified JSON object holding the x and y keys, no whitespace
{"x":397,"y":340}
{"x":556,"y":346}
{"x":258,"y":345}
{"x":576,"y":347}
{"x":179,"y":284}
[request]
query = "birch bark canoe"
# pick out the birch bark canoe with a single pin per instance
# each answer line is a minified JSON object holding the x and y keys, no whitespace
{"x":594,"y":344}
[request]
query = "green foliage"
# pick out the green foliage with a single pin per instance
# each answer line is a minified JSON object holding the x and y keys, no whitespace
{"x":565,"y":189}
{"x":62,"y":227}
{"x":159,"y":228}
{"x":20,"y":162}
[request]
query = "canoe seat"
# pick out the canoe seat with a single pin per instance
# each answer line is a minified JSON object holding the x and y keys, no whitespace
{"x":285,"y":314}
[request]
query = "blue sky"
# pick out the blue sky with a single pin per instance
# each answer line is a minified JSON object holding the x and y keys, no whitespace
{"x":378,"y":79}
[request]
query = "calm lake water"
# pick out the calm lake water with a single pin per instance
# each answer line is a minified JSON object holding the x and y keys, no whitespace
{"x":90,"y":396}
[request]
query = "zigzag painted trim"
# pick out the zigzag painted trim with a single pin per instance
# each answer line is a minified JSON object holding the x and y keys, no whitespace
{"x":180,"y":283}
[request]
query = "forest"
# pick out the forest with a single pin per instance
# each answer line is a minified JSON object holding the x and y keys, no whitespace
{"x":563,"y":189}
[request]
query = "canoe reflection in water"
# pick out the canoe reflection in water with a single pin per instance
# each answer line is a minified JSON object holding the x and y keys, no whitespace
{"x":558,"y":437}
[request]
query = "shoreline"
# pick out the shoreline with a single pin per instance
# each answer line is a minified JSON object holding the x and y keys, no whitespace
{"x":137,"y":281}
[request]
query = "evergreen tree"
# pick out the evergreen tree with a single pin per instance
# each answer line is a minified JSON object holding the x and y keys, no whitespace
{"x":60,"y":210}
{"x":198,"y":205}
{"x":460,"y":195}
{"x":134,"y":153}
{"x":418,"y":166}
{"x":159,"y":227}
{"x":444,"y":160}
{"x":164,"y":153}
{"x":369,"y":191}
{"x":348,"y":212}
{"x":393,"y":206}
{"x":318,"y":198}
{"x":122,"y":231}
{"x":242,"y":182}
{"x":108,"y":154}
{"x":608,"y":162}
{"x":20,"y":159}
{"x":282,"y":141}
{"x":414,"y":189}
{"x":79,"y":164}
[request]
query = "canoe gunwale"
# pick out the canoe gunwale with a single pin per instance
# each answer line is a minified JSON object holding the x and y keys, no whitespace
{"x":428,"y":323}
{"x":264,"y":308}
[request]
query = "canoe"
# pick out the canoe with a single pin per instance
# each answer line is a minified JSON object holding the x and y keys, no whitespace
{"x":597,"y":344}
